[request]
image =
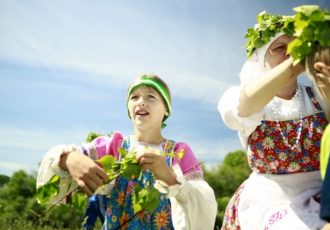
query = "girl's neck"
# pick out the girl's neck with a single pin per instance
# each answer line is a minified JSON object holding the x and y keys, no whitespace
{"x":150,"y":137}
{"x":288,"y":91}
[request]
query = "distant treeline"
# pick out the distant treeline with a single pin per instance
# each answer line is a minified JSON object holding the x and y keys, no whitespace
{"x":20,"y":210}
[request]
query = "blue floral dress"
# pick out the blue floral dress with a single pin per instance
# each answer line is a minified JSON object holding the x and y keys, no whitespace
{"x":119,"y":211}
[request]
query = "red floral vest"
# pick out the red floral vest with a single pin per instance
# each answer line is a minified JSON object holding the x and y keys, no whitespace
{"x":269,"y":153}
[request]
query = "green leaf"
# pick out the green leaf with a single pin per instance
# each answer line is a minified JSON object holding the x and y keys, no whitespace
{"x":107,"y":162}
{"x":79,"y":200}
{"x":136,"y":199}
{"x":147,"y":199}
{"x":49,"y":190}
{"x":131,"y":170}
{"x":152,"y":201}
{"x":306,"y":9}
{"x":122,"y":152}
{"x":268,"y":25}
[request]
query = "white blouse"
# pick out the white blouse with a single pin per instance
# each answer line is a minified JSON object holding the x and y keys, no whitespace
{"x":287,"y":110}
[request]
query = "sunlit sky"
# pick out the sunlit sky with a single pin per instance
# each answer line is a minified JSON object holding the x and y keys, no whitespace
{"x":65,"y":67}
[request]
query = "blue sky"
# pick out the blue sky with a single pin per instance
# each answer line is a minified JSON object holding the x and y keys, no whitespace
{"x":65,"y":66}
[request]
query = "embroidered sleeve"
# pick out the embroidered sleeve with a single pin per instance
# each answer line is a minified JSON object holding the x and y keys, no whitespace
{"x":190,"y":192}
{"x":188,"y":163}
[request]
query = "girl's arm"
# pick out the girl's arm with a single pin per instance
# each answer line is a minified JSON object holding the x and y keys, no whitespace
{"x":257,"y":93}
{"x":77,"y":163}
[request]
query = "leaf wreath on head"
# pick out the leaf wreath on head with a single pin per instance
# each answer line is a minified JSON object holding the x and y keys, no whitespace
{"x":311,"y":27}
{"x":267,"y":27}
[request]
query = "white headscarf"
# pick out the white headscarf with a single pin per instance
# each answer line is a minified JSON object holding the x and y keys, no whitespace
{"x":255,"y":65}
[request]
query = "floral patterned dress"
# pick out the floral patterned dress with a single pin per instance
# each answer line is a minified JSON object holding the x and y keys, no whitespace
{"x":270,"y":154}
{"x":119,"y":211}
{"x":178,"y":203}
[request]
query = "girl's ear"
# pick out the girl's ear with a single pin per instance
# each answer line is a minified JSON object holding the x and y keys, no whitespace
{"x":319,"y":66}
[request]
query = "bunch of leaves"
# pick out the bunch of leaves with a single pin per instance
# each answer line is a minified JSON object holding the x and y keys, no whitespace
{"x":311,"y":27}
{"x":144,"y":198}
{"x":92,"y":135}
{"x":267,"y":27}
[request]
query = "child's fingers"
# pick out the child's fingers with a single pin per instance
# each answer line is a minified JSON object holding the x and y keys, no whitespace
{"x":95,"y":178}
{"x":92,"y":185}
{"x":82,"y":185}
{"x":102,"y":175}
{"x":145,"y":160}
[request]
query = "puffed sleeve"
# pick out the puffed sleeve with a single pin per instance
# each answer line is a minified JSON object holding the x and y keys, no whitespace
{"x":227,"y":106}
{"x":103,"y":145}
{"x":193,"y":201}
{"x":49,"y":166}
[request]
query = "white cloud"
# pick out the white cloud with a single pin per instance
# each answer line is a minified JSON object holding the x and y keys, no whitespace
{"x":11,"y":166}
{"x":106,"y":43}
{"x":24,"y":148}
{"x":36,"y":140}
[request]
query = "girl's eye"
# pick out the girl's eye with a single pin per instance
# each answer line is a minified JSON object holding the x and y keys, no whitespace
{"x":151,"y":96}
{"x":279,"y":48}
{"x":134,"y":97}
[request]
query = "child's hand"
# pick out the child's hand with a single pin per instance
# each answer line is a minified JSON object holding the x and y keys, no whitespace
{"x":87,"y":174}
{"x":158,"y":166}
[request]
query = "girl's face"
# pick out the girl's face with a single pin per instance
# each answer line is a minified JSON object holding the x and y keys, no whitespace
{"x":276,"y":52}
{"x":146,"y":107}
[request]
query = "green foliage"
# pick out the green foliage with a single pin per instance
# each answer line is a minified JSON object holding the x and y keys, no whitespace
{"x":49,"y":190}
{"x":19,"y":208}
{"x":267,"y":27}
{"x":21,"y":184}
{"x":226,"y":177}
{"x":4,"y":179}
{"x":143,"y":198}
{"x":311,"y":27}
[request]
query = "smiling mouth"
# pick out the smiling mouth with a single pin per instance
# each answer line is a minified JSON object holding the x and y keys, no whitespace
{"x":142,"y":113}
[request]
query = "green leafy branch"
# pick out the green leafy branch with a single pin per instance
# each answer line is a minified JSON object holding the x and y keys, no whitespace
{"x":312,"y":27}
{"x":267,"y":27}
{"x":146,"y":198}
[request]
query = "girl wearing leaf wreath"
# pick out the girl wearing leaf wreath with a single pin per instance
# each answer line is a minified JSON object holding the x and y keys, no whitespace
{"x":280,"y":122}
{"x":318,"y":67}
{"x":168,"y":193}
{"x":313,"y":49}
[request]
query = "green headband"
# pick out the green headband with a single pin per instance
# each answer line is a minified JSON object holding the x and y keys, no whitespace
{"x":157,"y":86}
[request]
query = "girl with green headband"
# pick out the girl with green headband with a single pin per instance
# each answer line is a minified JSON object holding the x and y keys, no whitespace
{"x":170,"y":171}
{"x":280,"y":122}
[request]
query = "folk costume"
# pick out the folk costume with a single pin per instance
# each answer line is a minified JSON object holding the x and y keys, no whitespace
{"x":189,"y":205}
{"x":283,"y":144}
